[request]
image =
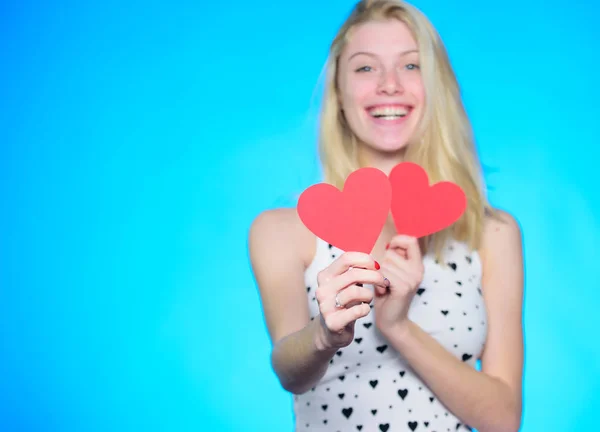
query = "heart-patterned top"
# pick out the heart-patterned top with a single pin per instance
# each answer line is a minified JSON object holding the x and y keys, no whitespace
{"x":368,"y":385}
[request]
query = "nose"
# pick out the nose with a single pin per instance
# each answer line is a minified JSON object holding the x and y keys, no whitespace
{"x":389,"y":82}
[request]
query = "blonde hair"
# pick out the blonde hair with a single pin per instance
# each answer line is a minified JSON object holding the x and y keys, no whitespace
{"x":443,"y":144}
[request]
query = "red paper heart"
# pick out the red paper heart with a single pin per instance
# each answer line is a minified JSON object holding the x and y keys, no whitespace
{"x":419,"y":209}
{"x":351,"y":219}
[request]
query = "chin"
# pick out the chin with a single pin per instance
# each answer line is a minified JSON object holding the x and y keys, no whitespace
{"x":386,"y":145}
{"x":386,"y":136}
{"x":392,"y":146}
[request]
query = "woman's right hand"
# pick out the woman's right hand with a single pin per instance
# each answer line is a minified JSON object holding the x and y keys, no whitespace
{"x":341,"y":280}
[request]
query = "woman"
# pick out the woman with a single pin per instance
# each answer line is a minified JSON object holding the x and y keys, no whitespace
{"x":389,"y":341}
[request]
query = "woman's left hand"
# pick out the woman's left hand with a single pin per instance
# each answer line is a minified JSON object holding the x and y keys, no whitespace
{"x":402,"y":265}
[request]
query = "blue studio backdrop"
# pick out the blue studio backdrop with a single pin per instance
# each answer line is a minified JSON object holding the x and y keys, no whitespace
{"x":140,"y":139}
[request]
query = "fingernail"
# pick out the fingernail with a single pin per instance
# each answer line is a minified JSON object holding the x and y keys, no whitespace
{"x":387,"y":246}
{"x":387,"y":282}
{"x":377,"y":267}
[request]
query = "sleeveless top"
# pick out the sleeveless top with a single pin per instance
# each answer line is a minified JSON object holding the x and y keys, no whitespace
{"x":368,"y":385}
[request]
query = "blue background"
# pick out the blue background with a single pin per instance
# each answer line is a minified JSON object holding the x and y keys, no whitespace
{"x":140,"y":139}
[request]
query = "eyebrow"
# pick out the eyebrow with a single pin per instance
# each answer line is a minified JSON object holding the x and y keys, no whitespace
{"x":403,"y":53}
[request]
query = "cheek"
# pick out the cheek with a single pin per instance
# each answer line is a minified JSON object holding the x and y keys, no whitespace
{"x":355,"y":95}
{"x":417,"y":88}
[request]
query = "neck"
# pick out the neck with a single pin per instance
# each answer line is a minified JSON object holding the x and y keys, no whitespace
{"x":384,"y":161}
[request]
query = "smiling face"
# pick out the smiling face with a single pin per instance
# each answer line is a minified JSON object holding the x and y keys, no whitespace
{"x":380,"y":87}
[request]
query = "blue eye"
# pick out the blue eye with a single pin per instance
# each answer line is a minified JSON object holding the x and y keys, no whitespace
{"x":412,"y":66}
{"x":364,"y":69}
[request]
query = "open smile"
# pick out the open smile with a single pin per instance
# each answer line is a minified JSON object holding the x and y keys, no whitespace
{"x":389,"y":114}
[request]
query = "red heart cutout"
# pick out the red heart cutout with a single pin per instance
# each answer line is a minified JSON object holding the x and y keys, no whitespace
{"x":419,"y":209}
{"x":351,"y":219}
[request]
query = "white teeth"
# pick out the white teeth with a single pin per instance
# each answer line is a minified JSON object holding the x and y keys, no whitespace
{"x":388,"y":112}
{"x":389,"y":117}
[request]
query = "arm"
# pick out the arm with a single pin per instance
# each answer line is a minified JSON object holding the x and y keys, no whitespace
{"x":274,"y":243}
{"x":490,"y":400}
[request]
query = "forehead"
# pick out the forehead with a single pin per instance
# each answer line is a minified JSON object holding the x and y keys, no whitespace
{"x":385,"y":37}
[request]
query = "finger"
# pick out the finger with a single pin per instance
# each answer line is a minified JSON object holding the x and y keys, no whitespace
{"x":357,"y":276}
{"x":409,"y":244}
{"x":346,"y":261}
{"x":337,"y":322}
{"x":393,"y":257}
{"x":352,"y":277}
{"x":398,"y":250}
{"x":413,"y":269}
{"x":354,"y":294}
{"x":397,"y":275}
{"x":402,"y":279}
{"x":382,"y":290}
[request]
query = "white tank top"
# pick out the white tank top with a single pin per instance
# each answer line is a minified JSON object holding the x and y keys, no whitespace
{"x":368,"y":385}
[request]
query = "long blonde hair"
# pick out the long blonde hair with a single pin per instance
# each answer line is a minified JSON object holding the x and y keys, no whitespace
{"x":443,"y":145}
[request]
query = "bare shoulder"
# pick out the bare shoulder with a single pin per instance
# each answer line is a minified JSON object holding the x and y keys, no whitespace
{"x":282,"y":231}
{"x":501,"y":220}
{"x":501,"y":250}
{"x":280,"y":249}
{"x":276,"y":217}
{"x":501,"y":233}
